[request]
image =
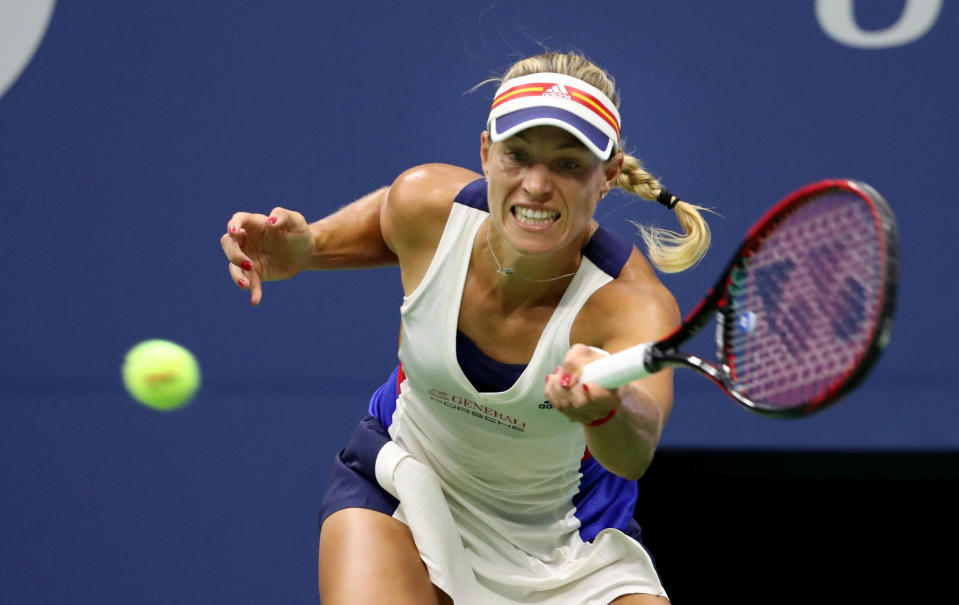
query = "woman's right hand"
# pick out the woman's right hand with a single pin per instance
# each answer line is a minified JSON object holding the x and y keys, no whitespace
{"x":266,"y":248}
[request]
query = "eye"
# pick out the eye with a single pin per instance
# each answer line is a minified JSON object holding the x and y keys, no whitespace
{"x":517,"y":155}
{"x":569,"y":164}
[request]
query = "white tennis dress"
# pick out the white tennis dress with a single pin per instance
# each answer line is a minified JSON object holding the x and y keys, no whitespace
{"x":486,"y":481}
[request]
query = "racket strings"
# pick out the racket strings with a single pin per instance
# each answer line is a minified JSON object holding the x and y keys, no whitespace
{"x":803,"y":305}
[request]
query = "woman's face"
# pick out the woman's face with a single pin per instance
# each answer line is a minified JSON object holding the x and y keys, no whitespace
{"x":543,"y":187}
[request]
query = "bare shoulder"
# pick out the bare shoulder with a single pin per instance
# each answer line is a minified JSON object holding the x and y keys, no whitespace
{"x":633,"y":308}
{"x":419,"y":202}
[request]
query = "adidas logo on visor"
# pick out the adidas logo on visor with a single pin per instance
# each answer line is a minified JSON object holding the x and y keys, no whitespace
{"x":558,"y":91}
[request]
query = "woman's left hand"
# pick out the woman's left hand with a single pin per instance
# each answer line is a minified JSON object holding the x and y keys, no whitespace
{"x":583,"y":403}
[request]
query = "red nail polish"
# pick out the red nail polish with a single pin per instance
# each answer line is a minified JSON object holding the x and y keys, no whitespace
{"x":241,"y":283}
{"x":586,"y":389}
{"x":566,"y":380}
{"x":246,"y":265}
{"x":232,"y":228}
{"x":271,"y":220}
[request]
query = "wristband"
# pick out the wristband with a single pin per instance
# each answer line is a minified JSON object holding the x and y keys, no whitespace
{"x":601,"y":421}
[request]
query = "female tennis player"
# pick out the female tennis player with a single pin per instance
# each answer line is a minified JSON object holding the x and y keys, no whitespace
{"x":473,"y":480}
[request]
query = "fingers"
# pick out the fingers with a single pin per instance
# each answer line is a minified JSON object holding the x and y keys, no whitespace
{"x":232,"y":244}
{"x":582,"y":403}
{"x":239,"y":277}
{"x":234,"y":240}
{"x":251,"y":243}
{"x":242,"y":222}
{"x":243,"y":270}
{"x":286,"y":220}
{"x":256,"y":288}
{"x":577,"y":357}
{"x":565,"y":385}
{"x":248,"y":280}
{"x":278,"y":218}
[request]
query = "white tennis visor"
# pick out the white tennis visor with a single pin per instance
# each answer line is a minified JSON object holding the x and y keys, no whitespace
{"x":548,"y":99}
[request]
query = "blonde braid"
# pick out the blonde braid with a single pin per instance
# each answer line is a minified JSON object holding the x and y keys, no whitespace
{"x":671,"y":252}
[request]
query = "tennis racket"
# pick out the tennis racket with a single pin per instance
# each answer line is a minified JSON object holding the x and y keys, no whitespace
{"x":803,"y":310}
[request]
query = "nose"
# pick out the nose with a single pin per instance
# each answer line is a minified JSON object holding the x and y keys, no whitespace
{"x":536,"y":182}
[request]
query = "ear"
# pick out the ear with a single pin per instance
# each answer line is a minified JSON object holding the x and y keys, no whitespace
{"x":614,"y":165}
{"x":484,"y":151}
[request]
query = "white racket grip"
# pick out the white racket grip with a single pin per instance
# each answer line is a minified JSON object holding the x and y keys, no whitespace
{"x":617,"y":369}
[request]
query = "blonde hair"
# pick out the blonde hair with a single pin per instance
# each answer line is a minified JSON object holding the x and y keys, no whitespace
{"x":669,"y":251}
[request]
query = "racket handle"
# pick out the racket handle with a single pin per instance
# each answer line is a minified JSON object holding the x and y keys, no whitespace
{"x":619,"y":368}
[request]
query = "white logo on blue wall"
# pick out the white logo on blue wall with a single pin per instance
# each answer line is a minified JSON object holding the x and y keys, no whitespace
{"x":838,"y":19}
{"x":22,"y":25}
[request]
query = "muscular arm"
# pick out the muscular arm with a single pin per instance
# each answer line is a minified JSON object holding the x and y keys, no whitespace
{"x":392,"y":224}
{"x":351,"y":238}
{"x":415,"y":214}
{"x":396,"y":224}
{"x":620,"y":316}
{"x":625,"y":445}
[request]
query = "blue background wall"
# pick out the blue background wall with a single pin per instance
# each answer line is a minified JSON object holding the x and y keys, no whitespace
{"x":138,"y":129}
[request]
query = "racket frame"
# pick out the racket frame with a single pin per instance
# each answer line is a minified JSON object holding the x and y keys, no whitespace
{"x":665,"y":353}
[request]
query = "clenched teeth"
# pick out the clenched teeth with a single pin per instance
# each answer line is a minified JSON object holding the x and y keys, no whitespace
{"x":535,"y":216}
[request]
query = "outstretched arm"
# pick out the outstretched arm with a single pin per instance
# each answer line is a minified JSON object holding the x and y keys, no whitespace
{"x":622,"y":426}
{"x":270,"y":248}
{"x":399,"y":224}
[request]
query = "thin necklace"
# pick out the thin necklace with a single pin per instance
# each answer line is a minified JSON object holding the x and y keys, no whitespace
{"x":511,"y":271}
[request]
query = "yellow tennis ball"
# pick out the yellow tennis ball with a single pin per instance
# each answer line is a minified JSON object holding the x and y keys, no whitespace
{"x":161,"y":374}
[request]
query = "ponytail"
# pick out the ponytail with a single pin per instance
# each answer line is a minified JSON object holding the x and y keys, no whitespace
{"x":669,"y":251}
